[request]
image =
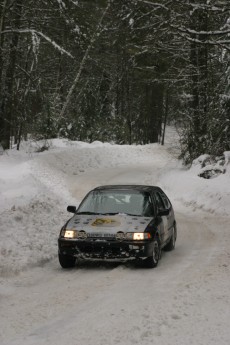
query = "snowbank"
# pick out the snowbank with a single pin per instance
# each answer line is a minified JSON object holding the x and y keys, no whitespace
{"x":209,"y":194}
{"x":36,"y":187}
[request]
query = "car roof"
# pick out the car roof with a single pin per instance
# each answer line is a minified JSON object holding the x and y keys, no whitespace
{"x":139,"y":188}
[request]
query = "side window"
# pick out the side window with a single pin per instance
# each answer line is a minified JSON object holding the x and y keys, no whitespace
{"x":159,"y":201}
{"x":165,"y":200}
{"x":148,"y":207}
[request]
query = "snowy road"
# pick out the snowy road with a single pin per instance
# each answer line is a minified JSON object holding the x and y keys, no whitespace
{"x":184,"y":301}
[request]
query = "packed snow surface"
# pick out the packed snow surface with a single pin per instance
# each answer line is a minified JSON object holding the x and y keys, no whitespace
{"x":184,"y":301}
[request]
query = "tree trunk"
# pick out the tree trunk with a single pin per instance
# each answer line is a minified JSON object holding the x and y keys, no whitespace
{"x":165,"y":116}
{"x":199,"y":78}
{"x":2,"y":27}
{"x":8,"y":92}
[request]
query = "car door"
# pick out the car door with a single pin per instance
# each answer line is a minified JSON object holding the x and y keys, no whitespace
{"x":162,"y":219}
{"x":170,"y":216}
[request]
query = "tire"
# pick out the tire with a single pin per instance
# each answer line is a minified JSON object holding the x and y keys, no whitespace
{"x":171,"y":244}
{"x":152,"y":261}
{"x":66,"y":261}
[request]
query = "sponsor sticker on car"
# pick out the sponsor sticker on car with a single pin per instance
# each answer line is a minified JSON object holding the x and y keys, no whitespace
{"x":105,"y":222}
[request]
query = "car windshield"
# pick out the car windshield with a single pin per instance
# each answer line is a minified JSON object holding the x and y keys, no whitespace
{"x":115,"y":201}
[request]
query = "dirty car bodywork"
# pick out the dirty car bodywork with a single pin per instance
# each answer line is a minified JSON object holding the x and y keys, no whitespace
{"x":119,"y":223}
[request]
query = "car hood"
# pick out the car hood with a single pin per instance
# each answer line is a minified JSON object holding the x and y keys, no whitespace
{"x":106,"y":223}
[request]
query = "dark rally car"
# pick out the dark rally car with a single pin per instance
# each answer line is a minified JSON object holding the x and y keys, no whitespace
{"x":119,"y":222}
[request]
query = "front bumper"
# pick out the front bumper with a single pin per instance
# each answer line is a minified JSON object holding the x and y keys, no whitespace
{"x":105,"y":249}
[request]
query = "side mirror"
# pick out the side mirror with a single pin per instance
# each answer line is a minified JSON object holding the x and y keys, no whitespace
{"x":163,"y":212}
{"x":71,"y":209}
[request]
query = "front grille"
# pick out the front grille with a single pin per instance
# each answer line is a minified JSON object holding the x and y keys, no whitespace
{"x":102,"y":248}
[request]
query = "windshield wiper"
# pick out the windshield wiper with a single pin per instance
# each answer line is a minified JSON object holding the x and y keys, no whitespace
{"x":87,"y":212}
{"x":114,"y":213}
{"x":109,"y":213}
{"x":134,"y":215}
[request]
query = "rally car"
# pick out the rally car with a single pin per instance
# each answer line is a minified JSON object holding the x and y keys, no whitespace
{"x":119,"y":222}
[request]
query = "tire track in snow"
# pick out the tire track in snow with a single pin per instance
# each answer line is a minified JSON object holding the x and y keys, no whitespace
{"x":157,"y":303}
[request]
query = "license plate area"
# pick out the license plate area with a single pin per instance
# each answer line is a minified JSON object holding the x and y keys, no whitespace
{"x":101,"y":235}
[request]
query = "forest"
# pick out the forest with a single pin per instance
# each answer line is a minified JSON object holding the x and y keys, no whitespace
{"x":117,"y":71}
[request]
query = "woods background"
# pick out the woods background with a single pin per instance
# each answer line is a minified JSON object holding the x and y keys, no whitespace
{"x":116,"y":71}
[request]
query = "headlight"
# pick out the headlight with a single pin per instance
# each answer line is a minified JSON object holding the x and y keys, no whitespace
{"x":138,"y":236}
{"x":74,"y":234}
{"x":69,"y":233}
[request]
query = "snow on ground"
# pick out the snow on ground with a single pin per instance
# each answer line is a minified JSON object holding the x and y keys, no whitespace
{"x":186,"y":187}
{"x":37,"y":187}
{"x":184,"y":301}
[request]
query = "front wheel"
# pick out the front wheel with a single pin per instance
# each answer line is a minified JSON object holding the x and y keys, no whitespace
{"x":152,"y":261}
{"x":66,"y":261}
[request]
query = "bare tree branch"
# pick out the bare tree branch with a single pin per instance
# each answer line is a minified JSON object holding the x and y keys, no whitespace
{"x":53,"y":43}
{"x":205,"y":33}
{"x":93,"y":39}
